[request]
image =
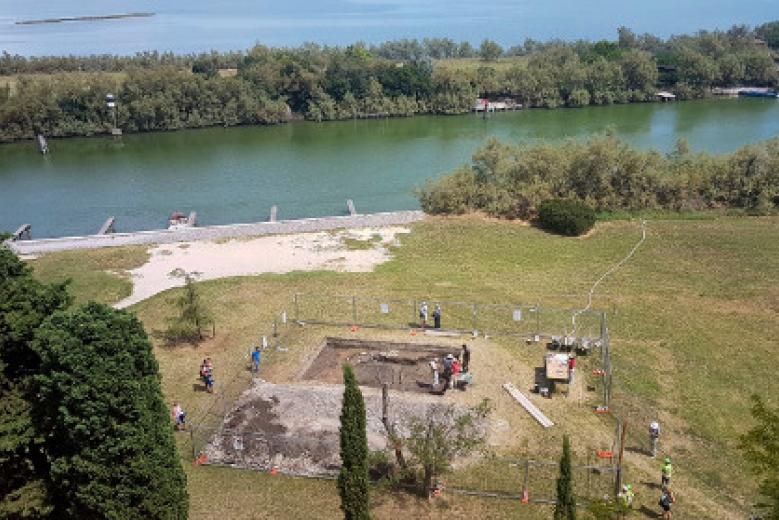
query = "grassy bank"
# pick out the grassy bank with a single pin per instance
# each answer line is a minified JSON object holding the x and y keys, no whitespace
{"x":692,"y":319}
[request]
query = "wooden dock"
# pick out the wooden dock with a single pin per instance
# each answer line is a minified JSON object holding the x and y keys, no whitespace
{"x":165,"y":236}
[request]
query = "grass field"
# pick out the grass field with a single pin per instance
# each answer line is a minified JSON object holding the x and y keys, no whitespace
{"x":693,"y":327}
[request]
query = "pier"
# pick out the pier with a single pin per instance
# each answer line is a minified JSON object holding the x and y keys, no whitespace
{"x":165,"y":236}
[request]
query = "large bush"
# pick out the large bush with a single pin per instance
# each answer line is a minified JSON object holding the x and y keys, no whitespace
{"x":567,"y":217}
{"x":511,"y":181}
{"x":109,"y":437}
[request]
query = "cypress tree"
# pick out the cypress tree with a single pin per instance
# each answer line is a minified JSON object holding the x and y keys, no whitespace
{"x":565,"y":508}
{"x":109,"y":437}
{"x":353,"y":478}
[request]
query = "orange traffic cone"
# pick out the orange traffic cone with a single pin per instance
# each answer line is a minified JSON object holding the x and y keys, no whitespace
{"x":274,"y":470}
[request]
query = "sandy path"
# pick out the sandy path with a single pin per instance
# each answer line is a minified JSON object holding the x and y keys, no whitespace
{"x":208,"y":260}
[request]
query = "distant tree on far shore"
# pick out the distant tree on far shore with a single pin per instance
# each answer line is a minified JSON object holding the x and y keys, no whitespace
{"x":490,"y":51}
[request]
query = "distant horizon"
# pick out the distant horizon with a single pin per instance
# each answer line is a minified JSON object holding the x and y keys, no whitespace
{"x":194,"y":26}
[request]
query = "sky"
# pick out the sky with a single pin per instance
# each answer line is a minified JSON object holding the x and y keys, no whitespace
{"x":200,"y":25}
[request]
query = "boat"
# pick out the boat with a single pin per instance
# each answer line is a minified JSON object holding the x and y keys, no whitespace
{"x":758,"y":92}
{"x":178,"y":220}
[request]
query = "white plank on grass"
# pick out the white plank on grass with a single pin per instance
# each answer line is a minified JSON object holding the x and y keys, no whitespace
{"x":532,"y":409}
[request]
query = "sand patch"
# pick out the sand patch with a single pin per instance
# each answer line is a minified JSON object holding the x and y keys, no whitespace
{"x":208,"y":260}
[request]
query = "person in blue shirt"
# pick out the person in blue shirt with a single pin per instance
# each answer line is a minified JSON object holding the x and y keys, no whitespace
{"x":256,"y":359}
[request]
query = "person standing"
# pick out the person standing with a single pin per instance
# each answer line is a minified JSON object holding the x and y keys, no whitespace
{"x":571,"y":369}
{"x":178,"y":416}
{"x":256,"y":359}
{"x":448,"y":361}
{"x":466,"y":357}
{"x":654,"y":436}
{"x":667,"y":498}
{"x":423,"y":315}
{"x":667,"y":471}
{"x":455,"y":372}
{"x":434,"y":369}
{"x":437,"y":316}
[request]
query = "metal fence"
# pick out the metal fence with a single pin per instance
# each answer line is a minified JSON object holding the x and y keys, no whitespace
{"x":534,"y":481}
{"x":520,"y":319}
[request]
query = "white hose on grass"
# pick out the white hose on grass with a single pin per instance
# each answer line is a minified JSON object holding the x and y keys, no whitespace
{"x":607,"y":273}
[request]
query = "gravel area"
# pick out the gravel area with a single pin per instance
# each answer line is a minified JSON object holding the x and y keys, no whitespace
{"x":166,"y":236}
{"x":295,"y":427}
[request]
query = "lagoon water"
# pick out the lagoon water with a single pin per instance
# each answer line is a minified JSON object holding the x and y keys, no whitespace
{"x":199,"y":25}
{"x":310,"y":169}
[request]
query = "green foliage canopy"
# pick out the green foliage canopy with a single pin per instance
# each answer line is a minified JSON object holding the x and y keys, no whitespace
{"x":109,"y":437}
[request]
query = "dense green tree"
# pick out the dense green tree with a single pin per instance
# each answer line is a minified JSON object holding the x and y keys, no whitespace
{"x":353,"y":477}
{"x":490,"y":50}
{"x":760,"y":446}
{"x":769,"y":32}
{"x":607,"y":174}
{"x":565,"y":505}
{"x":158,"y":91}
{"x":193,"y":317}
{"x":108,"y":433}
{"x":24,"y":304}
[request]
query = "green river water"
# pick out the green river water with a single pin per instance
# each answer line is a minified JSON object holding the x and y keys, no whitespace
{"x":235,"y":174}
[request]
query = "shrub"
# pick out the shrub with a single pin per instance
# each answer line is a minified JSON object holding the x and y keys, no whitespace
{"x":567,"y":217}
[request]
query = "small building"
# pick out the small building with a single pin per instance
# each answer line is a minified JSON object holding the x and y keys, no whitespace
{"x":500,"y":105}
{"x":665,"y":96}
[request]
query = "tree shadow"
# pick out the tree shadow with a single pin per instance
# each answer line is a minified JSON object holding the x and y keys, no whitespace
{"x":649,"y":513}
{"x":199,"y":387}
{"x":639,"y":451}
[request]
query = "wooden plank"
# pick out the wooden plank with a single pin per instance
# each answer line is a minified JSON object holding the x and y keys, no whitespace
{"x":108,"y":226}
{"x":542,"y":419}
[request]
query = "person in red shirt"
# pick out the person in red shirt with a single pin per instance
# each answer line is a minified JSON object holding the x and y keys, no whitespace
{"x":571,"y":369}
{"x":455,"y":371}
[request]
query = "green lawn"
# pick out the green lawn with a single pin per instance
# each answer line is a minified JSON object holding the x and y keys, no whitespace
{"x":692,"y":319}
{"x":98,"y":274}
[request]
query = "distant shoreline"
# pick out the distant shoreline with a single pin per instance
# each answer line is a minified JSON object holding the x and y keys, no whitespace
{"x":85,"y":18}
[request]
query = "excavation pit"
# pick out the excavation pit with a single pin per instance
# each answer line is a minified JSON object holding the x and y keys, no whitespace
{"x":403,"y":366}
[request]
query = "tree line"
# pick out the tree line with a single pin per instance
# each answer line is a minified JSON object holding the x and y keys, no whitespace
{"x":512,"y":181}
{"x":163,"y":91}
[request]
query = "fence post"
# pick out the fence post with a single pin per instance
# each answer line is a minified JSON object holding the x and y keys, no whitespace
{"x":538,"y":320}
{"x":385,"y":405}
{"x":414,"y":311}
{"x":192,"y":442}
{"x":354,"y":310}
{"x":297,"y":308}
{"x":475,"y":314}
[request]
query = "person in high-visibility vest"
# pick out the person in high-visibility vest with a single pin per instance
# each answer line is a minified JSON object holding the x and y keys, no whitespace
{"x":627,"y":495}
{"x":667,"y":470}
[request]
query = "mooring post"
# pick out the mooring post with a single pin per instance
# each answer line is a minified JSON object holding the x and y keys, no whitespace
{"x":273,"y":213}
{"x":618,"y":485}
{"x":385,"y":405}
